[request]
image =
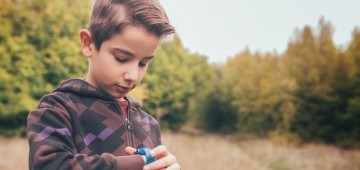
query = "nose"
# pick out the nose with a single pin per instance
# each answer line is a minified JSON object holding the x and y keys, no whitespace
{"x":131,"y":74}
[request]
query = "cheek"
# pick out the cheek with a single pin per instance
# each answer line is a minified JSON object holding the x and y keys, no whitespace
{"x":109,"y":73}
{"x":142,"y":73}
{"x":104,"y":71}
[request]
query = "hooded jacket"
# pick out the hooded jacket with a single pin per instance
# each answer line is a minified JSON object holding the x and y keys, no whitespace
{"x":78,"y":126}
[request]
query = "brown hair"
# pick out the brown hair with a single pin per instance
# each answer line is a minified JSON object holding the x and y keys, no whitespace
{"x":112,"y":16}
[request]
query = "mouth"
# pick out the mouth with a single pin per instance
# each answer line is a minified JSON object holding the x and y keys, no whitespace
{"x":123,"y":89}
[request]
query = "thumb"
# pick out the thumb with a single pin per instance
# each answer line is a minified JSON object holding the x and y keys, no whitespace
{"x":130,"y":150}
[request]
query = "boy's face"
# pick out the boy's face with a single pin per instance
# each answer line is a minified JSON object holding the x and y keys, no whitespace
{"x":121,"y":62}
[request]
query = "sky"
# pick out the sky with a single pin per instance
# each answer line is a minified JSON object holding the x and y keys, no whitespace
{"x":221,"y":29}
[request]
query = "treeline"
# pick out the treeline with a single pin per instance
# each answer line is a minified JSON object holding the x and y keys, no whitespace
{"x":40,"y":48}
{"x":309,"y":93}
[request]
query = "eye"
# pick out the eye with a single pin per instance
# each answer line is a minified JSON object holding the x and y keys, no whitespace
{"x":143,"y":64}
{"x":120,"y":59}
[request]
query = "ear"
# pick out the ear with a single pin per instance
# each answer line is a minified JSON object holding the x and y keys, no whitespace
{"x":86,"y":42}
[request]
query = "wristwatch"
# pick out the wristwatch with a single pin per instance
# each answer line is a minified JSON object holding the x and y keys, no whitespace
{"x":145,"y":152}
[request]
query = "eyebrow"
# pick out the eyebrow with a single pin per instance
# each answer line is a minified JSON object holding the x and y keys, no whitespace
{"x":123,"y":51}
{"x":149,"y":57}
{"x":131,"y":54}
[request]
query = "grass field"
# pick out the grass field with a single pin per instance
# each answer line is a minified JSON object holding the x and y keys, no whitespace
{"x":307,"y":157}
{"x":201,"y":151}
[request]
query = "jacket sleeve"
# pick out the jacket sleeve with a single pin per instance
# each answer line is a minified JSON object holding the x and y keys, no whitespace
{"x":51,"y":143}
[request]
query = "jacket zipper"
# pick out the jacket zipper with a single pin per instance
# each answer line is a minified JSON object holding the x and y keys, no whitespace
{"x":129,"y":127}
{"x":127,"y":120}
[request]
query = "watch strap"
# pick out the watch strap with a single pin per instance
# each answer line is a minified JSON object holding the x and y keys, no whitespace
{"x":146,"y":153}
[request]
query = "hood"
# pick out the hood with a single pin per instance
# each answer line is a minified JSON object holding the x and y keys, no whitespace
{"x":82,"y":88}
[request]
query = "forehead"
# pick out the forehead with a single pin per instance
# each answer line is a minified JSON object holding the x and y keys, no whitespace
{"x":135,"y":40}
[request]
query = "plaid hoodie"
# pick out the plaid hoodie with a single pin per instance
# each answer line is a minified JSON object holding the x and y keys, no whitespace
{"x":78,"y":126}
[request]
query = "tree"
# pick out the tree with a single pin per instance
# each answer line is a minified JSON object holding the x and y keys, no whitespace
{"x":214,"y":111}
{"x":256,"y":90}
{"x":351,"y":118}
{"x":38,"y":48}
{"x":172,"y":80}
{"x":322,"y":79}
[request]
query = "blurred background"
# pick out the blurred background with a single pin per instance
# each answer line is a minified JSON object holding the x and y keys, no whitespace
{"x":283,"y":95}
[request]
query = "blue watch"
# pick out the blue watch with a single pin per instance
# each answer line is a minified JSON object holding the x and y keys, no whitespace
{"x":146,"y":152}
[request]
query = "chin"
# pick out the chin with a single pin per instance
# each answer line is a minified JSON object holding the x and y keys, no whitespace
{"x":119,"y":96}
{"x":116,"y":95}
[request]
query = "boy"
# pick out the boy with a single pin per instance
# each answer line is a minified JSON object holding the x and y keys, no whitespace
{"x":91,"y":123}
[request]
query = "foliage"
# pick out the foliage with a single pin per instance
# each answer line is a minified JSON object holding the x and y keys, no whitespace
{"x":38,"y":49}
{"x":310,"y":93}
{"x":172,"y":81}
{"x":323,"y":83}
{"x":215,"y":112}
{"x":351,"y":117}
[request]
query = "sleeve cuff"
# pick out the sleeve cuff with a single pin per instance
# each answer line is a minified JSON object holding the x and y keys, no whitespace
{"x":130,"y":162}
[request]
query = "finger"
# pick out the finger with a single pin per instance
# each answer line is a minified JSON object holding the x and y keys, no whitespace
{"x":130,"y":150}
{"x":159,"y":152}
{"x":164,"y":162}
{"x":175,"y":166}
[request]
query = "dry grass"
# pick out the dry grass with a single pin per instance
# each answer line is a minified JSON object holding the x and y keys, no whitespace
{"x":308,"y":157}
{"x":204,"y":151}
{"x":208,"y":152}
{"x":13,"y":153}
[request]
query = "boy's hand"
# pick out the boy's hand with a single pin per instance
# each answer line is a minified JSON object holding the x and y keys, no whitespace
{"x":164,"y":159}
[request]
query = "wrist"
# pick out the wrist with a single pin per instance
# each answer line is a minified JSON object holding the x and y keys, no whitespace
{"x":145,"y":152}
{"x":144,"y":158}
